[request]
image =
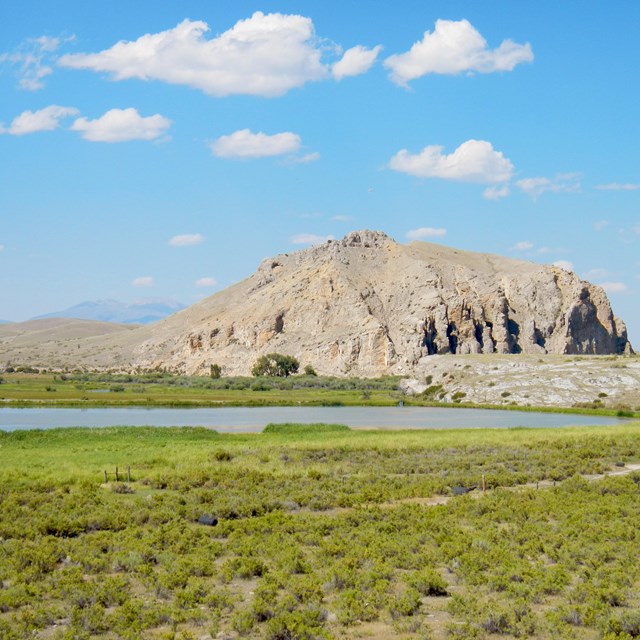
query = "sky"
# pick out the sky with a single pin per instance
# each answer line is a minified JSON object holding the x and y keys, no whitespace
{"x":157,"y":149}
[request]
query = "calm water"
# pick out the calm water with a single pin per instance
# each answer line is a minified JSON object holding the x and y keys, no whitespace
{"x":253,"y":419}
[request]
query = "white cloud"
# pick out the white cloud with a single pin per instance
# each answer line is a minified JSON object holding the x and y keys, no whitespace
{"x":46,"y":119}
{"x":355,"y":61}
{"x":342,"y":218}
{"x":186,"y":240}
{"x":122,"y":125}
{"x":600,"y":225}
{"x":614,"y":287}
{"x":142,"y":281}
{"x":455,"y":47}
{"x":596,"y":274}
{"x":305,"y":159}
{"x":206,"y":282}
{"x":426,"y":232}
{"x":472,"y":161}
{"x":264,"y":55}
{"x":525,"y":245}
{"x":616,"y":186}
{"x":564,"y":264}
{"x":33,"y":60}
{"x":562,"y":182}
{"x":245,"y":144}
{"x":496,"y":193}
{"x":310,"y":238}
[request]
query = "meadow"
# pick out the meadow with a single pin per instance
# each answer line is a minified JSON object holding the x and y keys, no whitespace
{"x":318,"y":531}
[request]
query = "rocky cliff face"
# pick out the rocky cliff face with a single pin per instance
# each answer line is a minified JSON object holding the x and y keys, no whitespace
{"x":366,"y":305}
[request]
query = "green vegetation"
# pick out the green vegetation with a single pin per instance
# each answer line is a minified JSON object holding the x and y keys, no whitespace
{"x":163,"y":389}
{"x":275,"y":365}
{"x":320,"y":532}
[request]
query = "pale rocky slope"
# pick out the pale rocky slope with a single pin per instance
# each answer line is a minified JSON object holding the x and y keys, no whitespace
{"x":364,"y":305}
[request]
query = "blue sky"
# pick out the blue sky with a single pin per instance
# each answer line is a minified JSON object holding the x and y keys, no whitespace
{"x":156,"y":149}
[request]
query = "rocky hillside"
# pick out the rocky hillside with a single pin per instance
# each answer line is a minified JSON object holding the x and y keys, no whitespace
{"x":367,"y":305}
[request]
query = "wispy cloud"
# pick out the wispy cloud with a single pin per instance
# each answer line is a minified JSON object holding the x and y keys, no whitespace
{"x":142,"y":281}
{"x":614,"y":287}
{"x":122,"y":125}
{"x":524,"y":245}
{"x":46,"y":119}
{"x":342,"y":218}
{"x":245,"y":144}
{"x":186,"y":240}
{"x":473,"y":161}
{"x":33,"y":60}
{"x":600,"y":225}
{"x":264,"y":55}
{"x":596,"y":274}
{"x":426,"y":232}
{"x":206,"y":282}
{"x":309,"y":238}
{"x":455,"y":47}
{"x":617,"y":186}
{"x":564,"y":264}
{"x":562,"y":182}
{"x":496,"y":193}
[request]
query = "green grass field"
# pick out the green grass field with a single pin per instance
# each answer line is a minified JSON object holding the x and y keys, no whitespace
{"x":321,"y":532}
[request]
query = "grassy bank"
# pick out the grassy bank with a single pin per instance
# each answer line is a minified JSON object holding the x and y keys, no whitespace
{"x":166,"y":390}
{"x":321,"y":532}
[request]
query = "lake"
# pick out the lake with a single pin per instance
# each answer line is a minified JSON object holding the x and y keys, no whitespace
{"x":253,"y":419}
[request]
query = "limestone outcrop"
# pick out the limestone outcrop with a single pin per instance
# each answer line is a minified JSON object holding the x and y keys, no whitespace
{"x":367,"y":305}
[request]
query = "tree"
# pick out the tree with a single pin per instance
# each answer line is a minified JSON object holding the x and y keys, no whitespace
{"x":216,"y":371}
{"x":275,"y":365}
{"x":309,"y":371}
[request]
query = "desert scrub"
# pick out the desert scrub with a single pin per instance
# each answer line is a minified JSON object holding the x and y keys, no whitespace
{"x":360,"y":547}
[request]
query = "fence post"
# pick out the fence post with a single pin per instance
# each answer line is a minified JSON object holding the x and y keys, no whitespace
{"x":117,"y":476}
{"x":128,"y":473}
{"x":105,"y":476}
{"x":484,"y":484}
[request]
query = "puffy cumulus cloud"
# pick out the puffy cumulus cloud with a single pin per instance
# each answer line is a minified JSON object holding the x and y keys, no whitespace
{"x":562,"y":182}
{"x":616,"y":186}
{"x":455,"y":47}
{"x":564,"y":264}
{"x":46,"y":119}
{"x":310,"y":238}
{"x":122,"y":125}
{"x":246,"y":144}
{"x":614,"y":287}
{"x":525,"y":245}
{"x":33,"y":60}
{"x":264,"y":55}
{"x":426,"y":232}
{"x":355,"y":61}
{"x":496,"y":193}
{"x":206,"y":282}
{"x":472,"y":161}
{"x":186,"y":240}
{"x":143,"y":281}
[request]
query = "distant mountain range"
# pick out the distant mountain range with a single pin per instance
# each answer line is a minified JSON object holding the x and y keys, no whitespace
{"x":143,"y":311}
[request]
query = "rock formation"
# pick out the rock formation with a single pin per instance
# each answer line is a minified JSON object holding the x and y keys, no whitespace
{"x":366,"y":305}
